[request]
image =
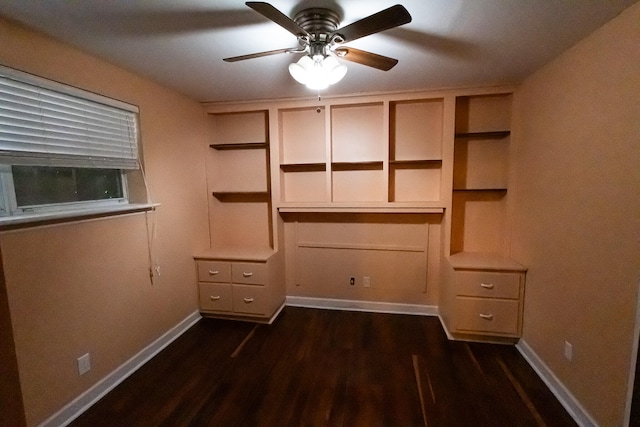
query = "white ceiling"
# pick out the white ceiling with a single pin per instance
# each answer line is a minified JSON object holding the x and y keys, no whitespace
{"x":449,"y":43}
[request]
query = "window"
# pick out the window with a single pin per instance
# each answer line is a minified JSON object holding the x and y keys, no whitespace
{"x":62,"y":148}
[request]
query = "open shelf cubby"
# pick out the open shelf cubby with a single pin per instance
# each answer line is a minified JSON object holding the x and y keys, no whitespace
{"x":480,"y":174}
{"x":238,"y":180}
{"x":415,"y":150}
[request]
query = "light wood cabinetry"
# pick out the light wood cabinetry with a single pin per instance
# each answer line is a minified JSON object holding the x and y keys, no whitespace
{"x":241,"y":275}
{"x":488,"y":297}
{"x":439,"y":160}
{"x":484,"y":294}
{"x":247,"y":284}
{"x":376,"y":155}
{"x":239,"y":181}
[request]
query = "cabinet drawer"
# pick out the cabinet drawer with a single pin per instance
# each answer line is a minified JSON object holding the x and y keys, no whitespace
{"x":249,"y":272}
{"x":214,"y":271}
{"x":487,"y":315}
{"x":488,"y":284}
{"x":250,"y":300}
{"x":215,"y":297}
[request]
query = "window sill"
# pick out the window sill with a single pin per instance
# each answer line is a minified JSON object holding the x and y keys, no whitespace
{"x":39,"y":219}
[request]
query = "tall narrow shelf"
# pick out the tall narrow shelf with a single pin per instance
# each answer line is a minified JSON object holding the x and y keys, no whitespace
{"x":484,"y":294}
{"x":241,"y":274}
{"x":480,"y":174}
{"x":239,"y":181}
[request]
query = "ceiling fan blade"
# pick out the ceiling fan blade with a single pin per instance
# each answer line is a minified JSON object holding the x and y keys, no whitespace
{"x":258,"y":55}
{"x":369,"y":59}
{"x":278,"y":17}
{"x":389,"y":18}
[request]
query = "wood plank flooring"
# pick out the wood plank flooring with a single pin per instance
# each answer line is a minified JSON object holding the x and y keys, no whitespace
{"x":329,"y":368}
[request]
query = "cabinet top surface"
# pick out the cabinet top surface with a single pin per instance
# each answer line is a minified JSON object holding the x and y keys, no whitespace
{"x":334,"y":207}
{"x":236,"y":254}
{"x":484,"y":261}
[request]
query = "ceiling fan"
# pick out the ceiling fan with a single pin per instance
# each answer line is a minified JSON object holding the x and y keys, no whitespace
{"x":321,"y":41}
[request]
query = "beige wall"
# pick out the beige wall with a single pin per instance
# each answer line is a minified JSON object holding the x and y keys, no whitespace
{"x":84,"y":287}
{"x":576,"y":198}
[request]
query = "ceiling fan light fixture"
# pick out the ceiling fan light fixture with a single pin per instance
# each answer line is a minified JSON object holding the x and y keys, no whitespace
{"x":317,"y":72}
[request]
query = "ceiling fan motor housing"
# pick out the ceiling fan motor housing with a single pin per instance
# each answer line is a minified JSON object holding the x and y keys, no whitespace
{"x":319,"y":23}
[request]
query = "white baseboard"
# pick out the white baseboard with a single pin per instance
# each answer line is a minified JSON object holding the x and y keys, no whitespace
{"x":570,"y":403}
{"x":353,"y":305}
{"x":81,"y":403}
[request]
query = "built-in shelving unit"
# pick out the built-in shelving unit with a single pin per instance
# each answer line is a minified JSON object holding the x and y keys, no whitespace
{"x":480,"y":174}
{"x":434,"y":165}
{"x":483,"y":292}
{"x":239,"y":181}
{"x":241,"y":275}
{"x":377,"y":154}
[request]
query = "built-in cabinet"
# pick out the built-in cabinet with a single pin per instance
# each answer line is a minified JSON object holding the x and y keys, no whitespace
{"x":434,"y":165}
{"x":241,"y":274}
{"x":246,"y":284}
{"x":483,"y":294}
{"x":377,"y":155}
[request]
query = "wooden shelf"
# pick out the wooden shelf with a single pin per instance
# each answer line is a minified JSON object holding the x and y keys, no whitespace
{"x":481,"y":189}
{"x":240,"y":146}
{"x":304,"y":167}
{"x":347,"y":166}
{"x":416,"y":163}
{"x":483,"y":135}
{"x":242,"y":196}
{"x":483,"y":261}
{"x":385,"y":208}
{"x":236,"y":254}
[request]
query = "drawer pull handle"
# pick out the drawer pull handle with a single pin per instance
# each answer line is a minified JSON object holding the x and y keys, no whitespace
{"x":486,"y":316}
{"x":248,"y":300}
{"x":247,"y":274}
{"x":213,"y":272}
{"x":487,"y":285}
{"x":215,"y":298}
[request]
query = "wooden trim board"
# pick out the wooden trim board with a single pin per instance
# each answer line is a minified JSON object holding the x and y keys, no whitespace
{"x":368,"y":306}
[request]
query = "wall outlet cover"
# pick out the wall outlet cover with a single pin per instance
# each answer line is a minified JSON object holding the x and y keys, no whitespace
{"x":84,"y":364}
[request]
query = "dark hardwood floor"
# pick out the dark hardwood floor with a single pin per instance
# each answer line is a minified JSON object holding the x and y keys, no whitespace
{"x":329,"y":368}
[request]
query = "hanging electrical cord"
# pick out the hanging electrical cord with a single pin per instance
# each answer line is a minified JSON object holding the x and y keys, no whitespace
{"x":151,"y":234}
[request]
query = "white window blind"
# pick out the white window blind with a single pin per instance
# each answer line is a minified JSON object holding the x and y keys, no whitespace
{"x":44,"y":123}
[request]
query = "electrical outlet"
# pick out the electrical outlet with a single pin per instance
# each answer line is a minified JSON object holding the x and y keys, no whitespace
{"x":352,"y":281}
{"x":366,"y":281}
{"x":84,"y":364}
{"x":568,"y":351}
{"x":157,"y":269}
